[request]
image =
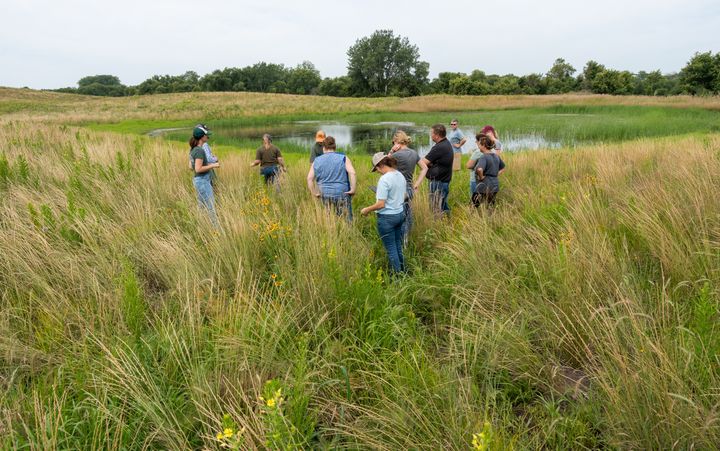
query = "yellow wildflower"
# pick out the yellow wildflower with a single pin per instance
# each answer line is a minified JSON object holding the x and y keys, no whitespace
{"x":271,"y":402}
{"x":227,"y":433}
{"x":219,"y":436}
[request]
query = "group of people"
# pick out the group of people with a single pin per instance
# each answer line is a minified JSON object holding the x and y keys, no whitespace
{"x":332,"y":177}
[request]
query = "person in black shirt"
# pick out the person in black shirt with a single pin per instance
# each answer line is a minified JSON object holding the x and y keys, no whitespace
{"x":439,"y":161}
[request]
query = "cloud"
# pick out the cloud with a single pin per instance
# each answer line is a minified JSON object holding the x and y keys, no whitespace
{"x":53,"y":44}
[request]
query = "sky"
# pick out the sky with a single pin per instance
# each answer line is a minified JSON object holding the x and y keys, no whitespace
{"x":47,"y":44}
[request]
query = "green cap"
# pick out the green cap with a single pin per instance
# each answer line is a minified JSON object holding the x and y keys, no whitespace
{"x":200,"y":131}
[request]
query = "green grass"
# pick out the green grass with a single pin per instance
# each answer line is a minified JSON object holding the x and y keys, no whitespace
{"x":582,"y":314}
{"x":570,"y":125}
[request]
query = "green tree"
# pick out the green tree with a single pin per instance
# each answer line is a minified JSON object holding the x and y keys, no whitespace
{"x":101,"y":85}
{"x":336,"y":87}
{"x":108,"y":80}
{"x":382,"y":63}
{"x":532,"y":84}
{"x":303,"y":79}
{"x":560,"y":77}
{"x":591,"y":70}
{"x":441,"y":84}
{"x":701,"y":75}
{"x":614,"y":82}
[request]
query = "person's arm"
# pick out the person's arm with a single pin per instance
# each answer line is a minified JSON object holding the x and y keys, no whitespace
{"x":351,"y":175}
{"x":502,"y":167}
{"x":281,"y":161}
{"x":462,"y":142}
{"x":471,"y":164}
{"x":200,"y":169}
{"x":480,"y":176}
{"x":311,"y":182}
{"x":423,"y":172}
{"x":378,"y":205}
{"x":258,"y":158}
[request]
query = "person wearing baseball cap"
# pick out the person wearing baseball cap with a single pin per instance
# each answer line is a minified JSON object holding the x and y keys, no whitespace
{"x":211,"y":158}
{"x":203,"y":172}
{"x":389,"y":199}
{"x":317,"y":148}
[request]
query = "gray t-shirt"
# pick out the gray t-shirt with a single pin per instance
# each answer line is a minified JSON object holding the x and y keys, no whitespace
{"x":407,"y":159}
{"x":455,"y":137}
{"x":474,"y":157}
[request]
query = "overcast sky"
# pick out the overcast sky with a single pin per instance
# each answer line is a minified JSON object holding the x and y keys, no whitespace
{"x":54,"y":43}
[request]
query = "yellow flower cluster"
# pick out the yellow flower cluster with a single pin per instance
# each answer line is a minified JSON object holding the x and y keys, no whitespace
{"x":226,"y":433}
{"x":275,"y":401}
{"x":482,"y":441}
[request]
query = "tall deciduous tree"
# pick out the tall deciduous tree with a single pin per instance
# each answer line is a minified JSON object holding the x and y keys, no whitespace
{"x":560,"y":77}
{"x":385,"y":64}
{"x":702,"y":74}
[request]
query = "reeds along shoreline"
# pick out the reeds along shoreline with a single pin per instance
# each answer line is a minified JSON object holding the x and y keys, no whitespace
{"x":583,"y":313}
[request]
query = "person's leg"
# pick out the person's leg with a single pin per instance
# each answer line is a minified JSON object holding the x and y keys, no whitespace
{"x":399,"y":240}
{"x":491,"y":198}
{"x":386,"y":230}
{"x":473,"y":185}
{"x":206,"y":198}
{"x":435,"y":197}
{"x":347,"y":200}
{"x":445,"y":189}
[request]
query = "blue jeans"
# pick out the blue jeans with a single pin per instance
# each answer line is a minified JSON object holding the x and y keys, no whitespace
{"x":407,"y":208}
{"x":206,"y":197}
{"x":342,"y":205}
{"x":390,"y":230}
{"x":269,"y":173}
{"x":473,"y":185}
{"x":439,"y":196}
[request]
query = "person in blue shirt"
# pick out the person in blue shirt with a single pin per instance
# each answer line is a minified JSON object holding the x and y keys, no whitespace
{"x":389,"y":200}
{"x":332,"y":179}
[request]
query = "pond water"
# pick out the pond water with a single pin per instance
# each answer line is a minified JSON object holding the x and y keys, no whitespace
{"x":367,"y":138}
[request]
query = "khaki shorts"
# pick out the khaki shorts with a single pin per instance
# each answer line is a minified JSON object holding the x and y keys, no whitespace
{"x":456,"y":161}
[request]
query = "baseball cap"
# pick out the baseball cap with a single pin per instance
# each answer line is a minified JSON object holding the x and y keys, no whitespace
{"x":201,"y":130}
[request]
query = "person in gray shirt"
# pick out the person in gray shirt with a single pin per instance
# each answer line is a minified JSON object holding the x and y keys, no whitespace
{"x":457,"y":139}
{"x":407,"y":159}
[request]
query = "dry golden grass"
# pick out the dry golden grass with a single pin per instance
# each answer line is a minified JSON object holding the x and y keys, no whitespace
{"x":19,"y":104}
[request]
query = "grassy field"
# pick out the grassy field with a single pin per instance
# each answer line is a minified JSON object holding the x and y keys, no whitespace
{"x":582,"y":314}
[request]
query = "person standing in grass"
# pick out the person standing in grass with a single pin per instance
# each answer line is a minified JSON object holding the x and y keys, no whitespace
{"x":317,"y":148}
{"x":439,"y":162}
{"x":203,"y":172}
{"x":332,"y":179}
{"x":489,"y":130}
{"x":389,"y":199}
{"x":487,"y":169}
{"x":407,"y":159}
{"x":211,"y":158}
{"x":270,"y":159}
{"x":457,"y":139}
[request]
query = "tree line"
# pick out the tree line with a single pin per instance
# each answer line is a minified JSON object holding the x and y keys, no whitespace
{"x":384,"y":64}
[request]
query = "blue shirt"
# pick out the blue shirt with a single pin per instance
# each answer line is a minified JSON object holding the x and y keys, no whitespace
{"x":391,"y":188}
{"x":455,"y":137}
{"x":331,"y":175}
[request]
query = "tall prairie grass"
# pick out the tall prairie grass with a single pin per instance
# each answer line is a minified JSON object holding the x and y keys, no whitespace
{"x":23,"y":104}
{"x":582,"y":313}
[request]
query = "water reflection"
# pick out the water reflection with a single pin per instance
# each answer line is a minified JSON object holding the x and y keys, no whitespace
{"x":370,"y":138}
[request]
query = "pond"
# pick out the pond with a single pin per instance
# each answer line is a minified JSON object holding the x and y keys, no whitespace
{"x":358,"y":137}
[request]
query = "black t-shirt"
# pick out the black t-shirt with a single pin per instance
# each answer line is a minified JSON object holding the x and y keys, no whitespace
{"x":441,"y":161}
